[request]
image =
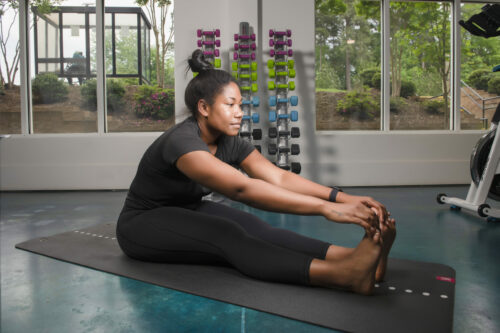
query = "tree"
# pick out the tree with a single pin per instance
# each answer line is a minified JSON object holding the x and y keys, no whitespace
{"x":163,"y":43}
{"x":11,"y":62}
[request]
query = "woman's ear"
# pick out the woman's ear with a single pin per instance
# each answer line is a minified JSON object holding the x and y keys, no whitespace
{"x":203,"y":108}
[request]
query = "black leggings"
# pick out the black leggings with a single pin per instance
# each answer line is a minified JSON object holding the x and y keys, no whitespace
{"x":216,"y":234}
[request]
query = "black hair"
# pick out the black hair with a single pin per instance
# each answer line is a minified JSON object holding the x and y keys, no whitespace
{"x":207,"y":84}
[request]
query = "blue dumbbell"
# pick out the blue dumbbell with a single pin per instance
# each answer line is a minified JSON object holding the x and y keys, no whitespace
{"x":272,"y":116}
{"x":294,"y":100}
{"x":255,"y":118}
{"x":255,"y":101}
{"x":246,"y":118}
{"x":294,"y":116}
{"x":272,"y":100}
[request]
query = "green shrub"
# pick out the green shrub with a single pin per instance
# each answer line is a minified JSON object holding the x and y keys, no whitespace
{"x":397,"y":104}
{"x":358,"y":104}
{"x":494,"y":85}
{"x":154,"y":102}
{"x":376,"y":80}
{"x":47,"y":88}
{"x":408,"y":89}
{"x":114,"y":94}
{"x":434,"y":106}
{"x":479,"y":79}
{"x":367,"y":77}
{"x":2,"y":90}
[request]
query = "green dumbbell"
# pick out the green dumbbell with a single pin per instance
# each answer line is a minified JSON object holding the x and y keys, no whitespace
{"x":254,"y":76}
{"x":272,"y":73}
{"x":291,"y":63}
{"x":255,"y":87}
{"x":254,"y":66}
{"x":195,"y":74}
{"x":291,"y":85}
{"x":234,"y":66}
{"x":235,"y":75}
{"x":270,"y":63}
{"x":292,"y":73}
{"x":246,"y":88}
{"x":282,"y":73}
{"x":245,"y":76}
{"x":271,"y":85}
{"x":217,"y":63}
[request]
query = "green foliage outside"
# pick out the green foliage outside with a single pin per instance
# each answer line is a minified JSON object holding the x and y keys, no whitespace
{"x":358,"y":104}
{"x":154,"y":102}
{"x":115,"y":90}
{"x":398,"y":104}
{"x":47,"y":88}
{"x":434,"y":106}
{"x":494,"y":85}
{"x":348,"y":47}
{"x":479,"y":78}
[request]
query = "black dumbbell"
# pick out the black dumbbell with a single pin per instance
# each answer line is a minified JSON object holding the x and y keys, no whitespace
{"x":273,"y":132}
{"x":295,"y":132}
{"x":272,"y":149}
{"x":295,"y":149}
{"x":259,"y":148}
{"x":296,"y":168}
{"x":257,"y":134}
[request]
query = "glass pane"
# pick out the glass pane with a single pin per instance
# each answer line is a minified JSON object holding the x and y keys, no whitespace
{"x":63,"y":92}
{"x":347,"y":65}
{"x":479,"y":98}
{"x":10,"y":98}
{"x":420,"y":65}
{"x":126,"y":50}
{"x":136,"y":103}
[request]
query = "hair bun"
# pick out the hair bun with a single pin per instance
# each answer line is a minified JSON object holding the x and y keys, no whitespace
{"x":198,"y":63}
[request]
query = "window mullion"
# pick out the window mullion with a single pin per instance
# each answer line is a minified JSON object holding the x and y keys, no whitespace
{"x":455,"y":105}
{"x":386,"y":57}
{"x":26,"y":105}
{"x":100,"y":68}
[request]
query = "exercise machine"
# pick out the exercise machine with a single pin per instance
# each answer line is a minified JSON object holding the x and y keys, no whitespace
{"x":485,"y":157}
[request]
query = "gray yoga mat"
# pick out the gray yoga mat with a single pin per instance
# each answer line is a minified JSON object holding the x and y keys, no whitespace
{"x":417,"y":296}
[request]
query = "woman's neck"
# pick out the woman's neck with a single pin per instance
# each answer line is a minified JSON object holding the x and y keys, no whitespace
{"x":207,"y":134}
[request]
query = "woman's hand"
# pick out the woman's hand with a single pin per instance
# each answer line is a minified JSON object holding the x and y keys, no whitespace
{"x":355,"y":213}
{"x":369,"y":202}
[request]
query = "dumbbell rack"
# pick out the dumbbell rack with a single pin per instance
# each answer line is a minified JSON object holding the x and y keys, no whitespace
{"x":209,"y":44}
{"x":244,"y":70}
{"x":281,"y":70}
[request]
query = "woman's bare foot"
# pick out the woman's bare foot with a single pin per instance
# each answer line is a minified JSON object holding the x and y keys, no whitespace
{"x":388,"y":233}
{"x":354,"y":272}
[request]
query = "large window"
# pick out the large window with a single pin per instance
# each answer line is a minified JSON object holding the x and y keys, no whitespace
{"x":348,"y":65}
{"x":478,"y":97}
{"x":64,"y":68}
{"x":418,"y":66}
{"x":10,"y":98}
{"x":140,"y":90}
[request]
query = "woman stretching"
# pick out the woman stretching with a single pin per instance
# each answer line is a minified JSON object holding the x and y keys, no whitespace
{"x":164,"y":218}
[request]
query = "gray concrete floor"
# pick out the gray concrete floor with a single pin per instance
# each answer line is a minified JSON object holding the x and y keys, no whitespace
{"x":39,"y":294}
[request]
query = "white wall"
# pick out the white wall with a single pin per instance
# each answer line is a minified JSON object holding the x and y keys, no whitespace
{"x":344,"y":158}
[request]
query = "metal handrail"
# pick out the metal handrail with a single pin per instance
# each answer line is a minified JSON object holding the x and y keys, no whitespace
{"x":483,"y":102}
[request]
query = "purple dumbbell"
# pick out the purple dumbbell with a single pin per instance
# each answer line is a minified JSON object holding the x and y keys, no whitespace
{"x":217,"y":33}
{"x":271,"y":42}
{"x":236,"y":46}
{"x":271,"y":53}
{"x":216,"y":52}
{"x":200,"y":43}
{"x":235,"y":56}
{"x":288,"y":33}
{"x":271,"y":32}
{"x":198,"y":32}
{"x":236,"y":37}
{"x":289,"y":42}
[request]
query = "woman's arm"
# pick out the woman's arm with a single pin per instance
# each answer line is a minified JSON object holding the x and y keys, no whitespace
{"x":257,"y":166}
{"x":209,"y":171}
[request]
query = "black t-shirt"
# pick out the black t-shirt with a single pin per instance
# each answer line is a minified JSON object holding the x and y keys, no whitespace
{"x":158,"y":182}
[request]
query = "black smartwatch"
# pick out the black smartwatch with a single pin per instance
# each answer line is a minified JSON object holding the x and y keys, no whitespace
{"x":333,"y":193}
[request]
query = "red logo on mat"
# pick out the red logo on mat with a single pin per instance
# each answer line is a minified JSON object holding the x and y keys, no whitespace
{"x":446,"y":279}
